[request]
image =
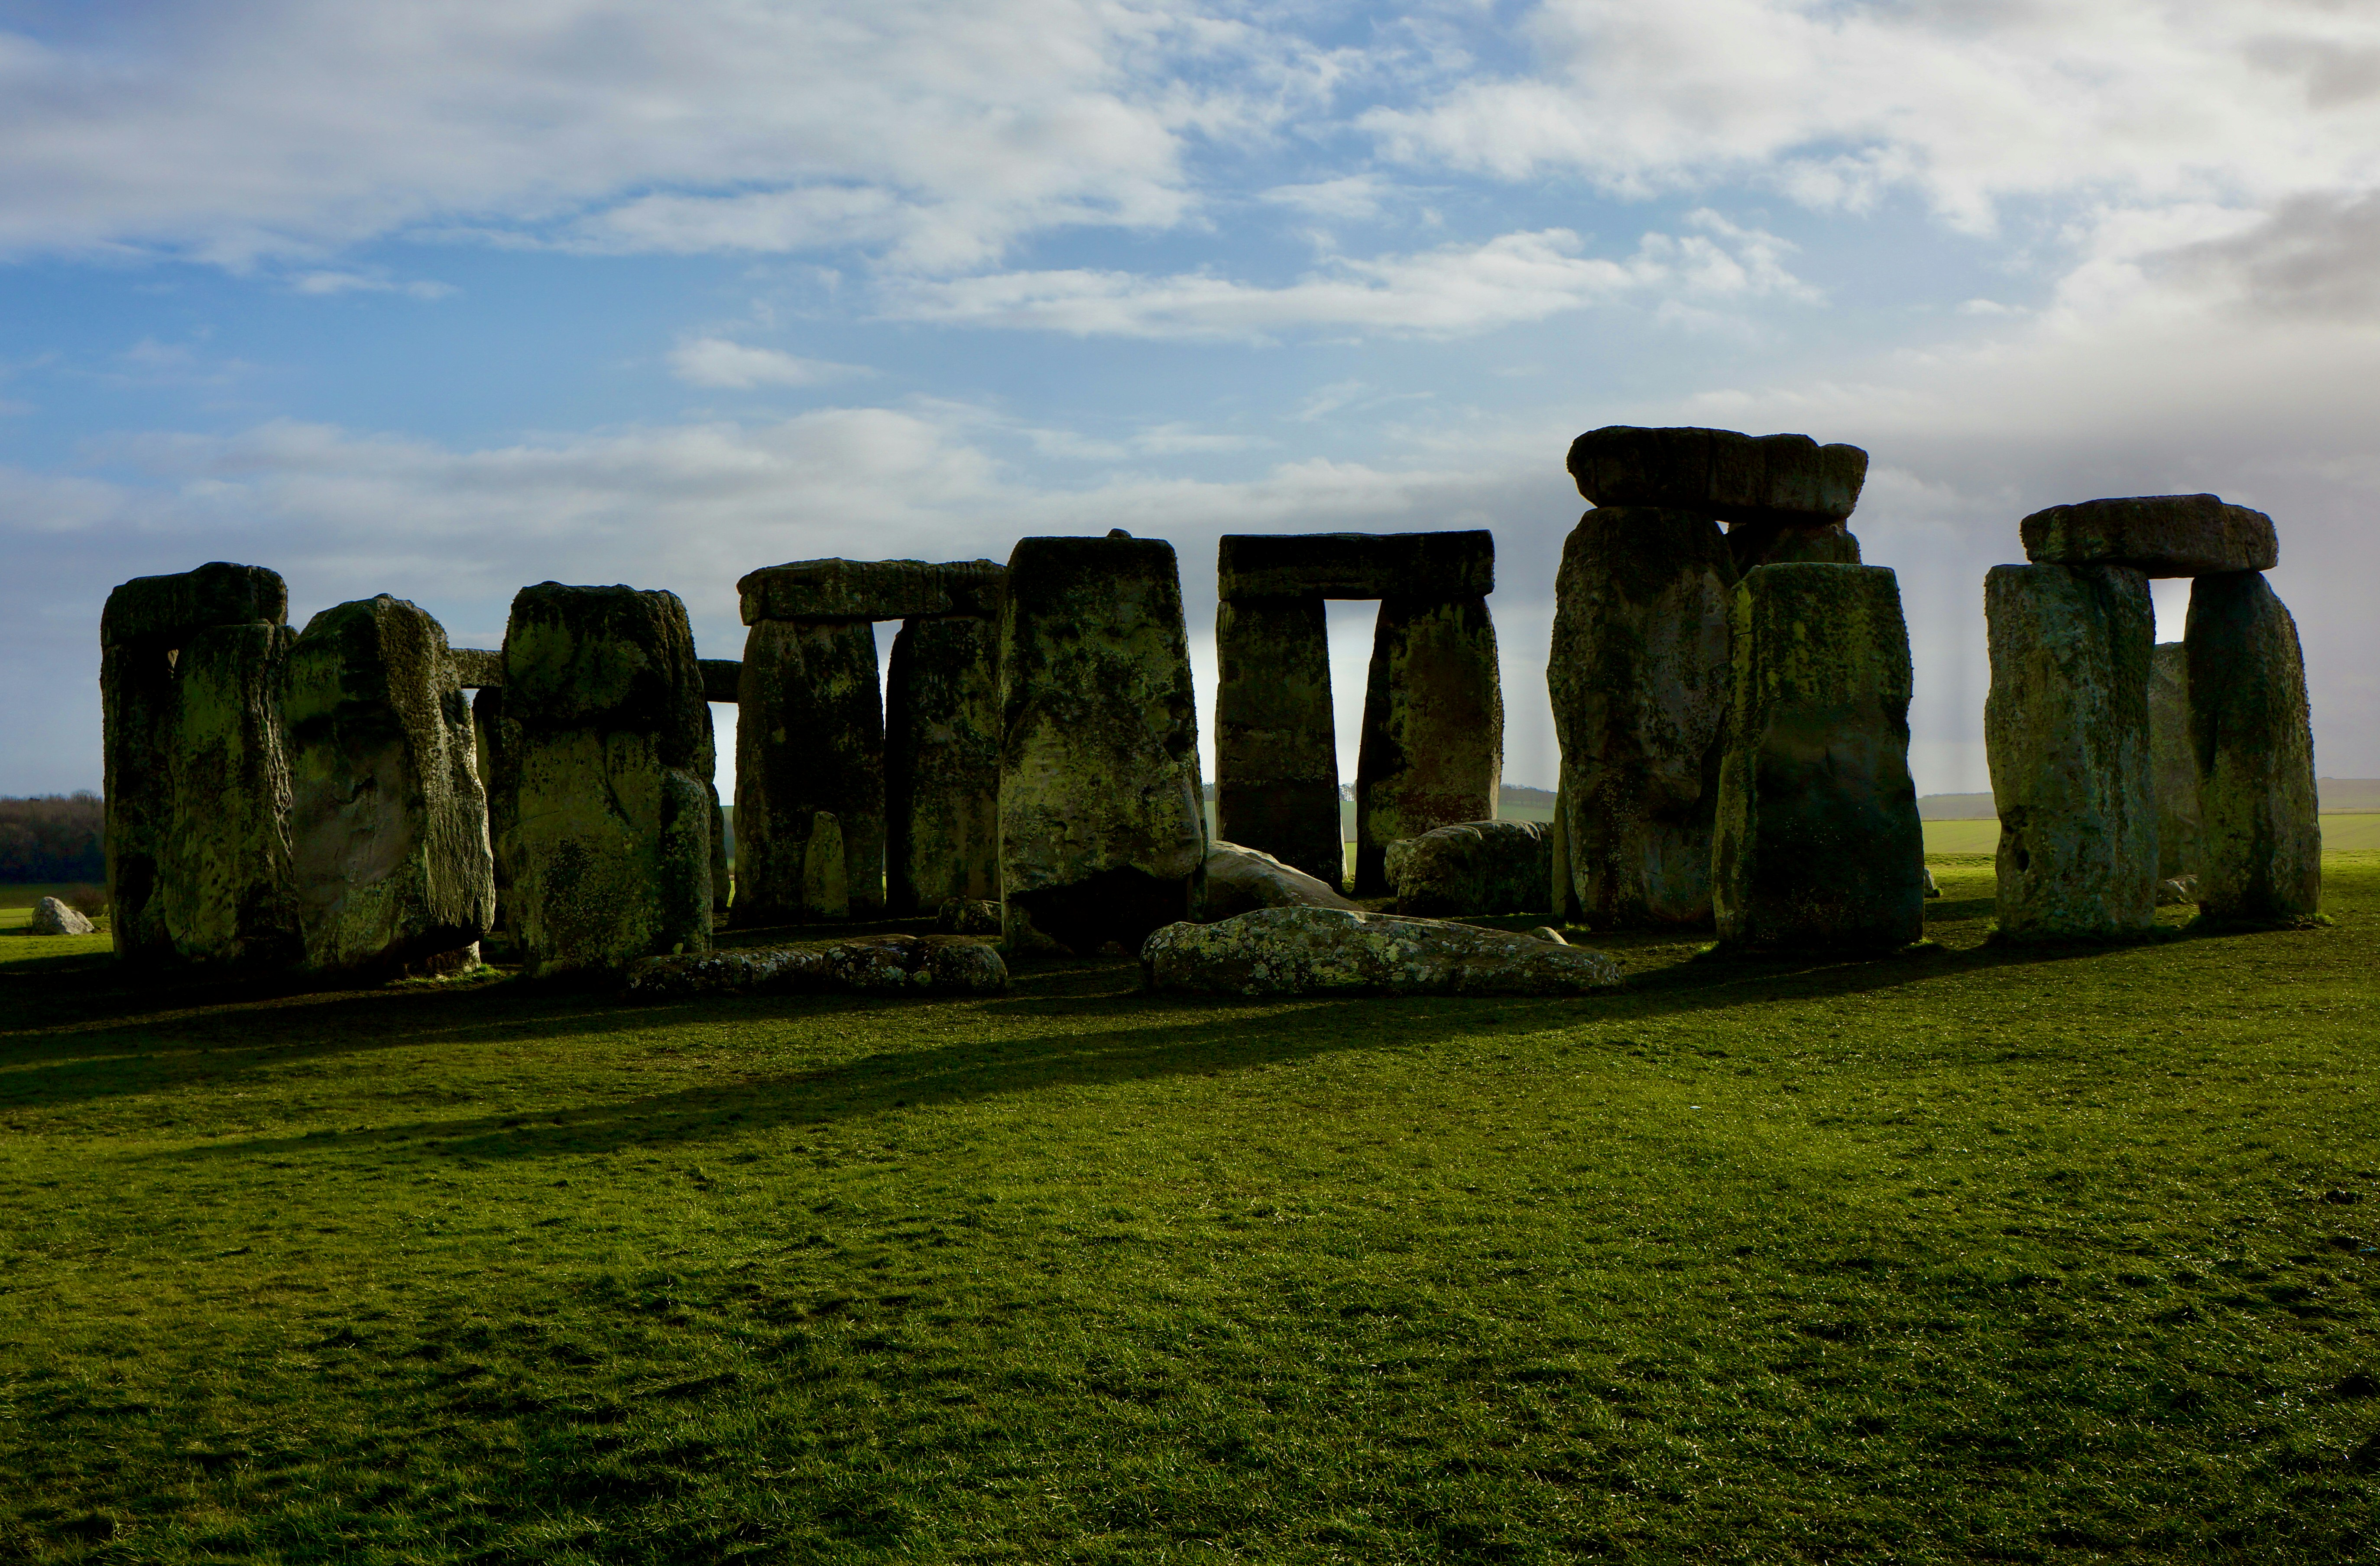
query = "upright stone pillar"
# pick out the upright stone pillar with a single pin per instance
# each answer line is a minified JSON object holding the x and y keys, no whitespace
{"x":1275,"y":744}
{"x":1640,"y":678}
{"x":1819,"y":844}
{"x":1102,"y":831}
{"x":198,"y":784}
{"x":2172,"y":768}
{"x":612,"y":792}
{"x":2252,"y":738}
{"x":496,"y":742}
{"x":810,"y":738}
{"x":1432,"y":751}
{"x":2066,"y":727}
{"x":941,"y":763}
{"x":388,"y":824}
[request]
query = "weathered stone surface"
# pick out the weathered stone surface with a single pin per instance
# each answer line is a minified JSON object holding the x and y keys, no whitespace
{"x":612,"y":796}
{"x":1640,"y":676}
{"x":2175,"y":889}
{"x":968,"y":916}
{"x":51,"y":917}
{"x":942,"y":764}
{"x":1276,"y":747}
{"x":2066,"y":727}
{"x":2172,"y":769}
{"x":880,"y":964}
{"x":1738,"y":478}
{"x":2160,"y":535}
{"x":1338,"y":951}
{"x":388,"y":824}
{"x":138,"y":714}
{"x":1473,"y":867}
{"x":1549,"y":934}
{"x":2260,"y":854}
{"x":1819,"y":844}
{"x":1102,"y":833}
{"x":723,"y":679}
{"x":496,"y":745}
{"x":478,"y":669}
{"x":1775,"y":543}
{"x":1421,"y":566}
{"x":1241,"y":880}
{"x":1432,"y":748}
{"x":809,"y":737}
{"x":162,"y":611}
{"x":870,"y":589}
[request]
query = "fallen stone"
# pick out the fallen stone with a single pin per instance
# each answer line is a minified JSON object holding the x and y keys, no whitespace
{"x":1432,"y":748}
{"x":942,"y":764}
{"x":2172,"y":769}
{"x":388,"y":823}
{"x":1775,"y":543}
{"x":1339,"y":950}
{"x":1819,"y":844}
{"x":1420,"y":566}
{"x":870,"y":589}
{"x":878,"y":964}
{"x":1639,"y":676}
{"x":968,"y":916}
{"x":2160,"y":535}
{"x":810,"y":738}
{"x":1547,"y":932}
{"x":1276,"y":745}
{"x":1737,"y":478}
{"x":54,"y":916}
{"x":2066,"y":730}
{"x":162,"y":611}
{"x":478,"y":669}
{"x":1473,"y":868}
{"x":2175,"y":889}
{"x":1931,"y":890}
{"x":2260,"y":844}
{"x":1241,"y":880}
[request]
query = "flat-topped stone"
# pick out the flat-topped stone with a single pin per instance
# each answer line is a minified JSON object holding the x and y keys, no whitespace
{"x":2160,"y":535}
{"x":1427,"y":566}
{"x":167,"y":608}
{"x":870,"y":590}
{"x":1734,"y":477}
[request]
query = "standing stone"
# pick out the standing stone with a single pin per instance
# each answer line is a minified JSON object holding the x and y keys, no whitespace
{"x":2252,"y":738}
{"x":496,"y":742}
{"x":809,"y":737}
{"x":942,"y":764}
{"x":1818,"y":843}
{"x":1102,"y":828}
{"x":2066,"y":727}
{"x":388,"y":825}
{"x":1640,"y":678}
{"x":1432,"y":751}
{"x":1276,"y":745}
{"x":611,"y":789}
{"x":2171,"y":767}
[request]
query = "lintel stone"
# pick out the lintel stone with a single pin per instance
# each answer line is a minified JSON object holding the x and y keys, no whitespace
{"x":476,"y":667}
{"x":2160,"y":535}
{"x":165,"y":610}
{"x":1437,"y":566}
{"x":1736,"y":478}
{"x":870,"y":590}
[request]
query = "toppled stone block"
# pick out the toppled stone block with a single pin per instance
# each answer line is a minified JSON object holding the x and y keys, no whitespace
{"x":1432,"y":748}
{"x":389,"y":853}
{"x":942,"y":764}
{"x":1473,"y":867}
{"x":923,"y":966}
{"x":968,"y":916}
{"x":478,"y":669}
{"x":54,"y":916}
{"x":1275,"y":744}
{"x":1819,"y":844}
{"x":870,"y":589}
{"x":810,"y":738}
{"x":2066,"y":728}
{"x":1241,"y":880}
{"x":1337,"y":951}
{"x":2260,"y":844}
{"x":2173,"y":771}
{"x":162,"y":611}
{"x":723,"y":679}
{"x":1640,"y":676}
{"x":1737,"y":478}
{"x":1418,"y":565}
{"x":2160,"y":535}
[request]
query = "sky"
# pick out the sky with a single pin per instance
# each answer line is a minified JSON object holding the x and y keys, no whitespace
{"x":442,"y":300}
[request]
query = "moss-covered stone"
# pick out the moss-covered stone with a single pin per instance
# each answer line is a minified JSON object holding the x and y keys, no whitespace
{"x":1276,"y":566}
{"x":921,"y":965}
{"x":1305,"y":951}
{"x":139,"y":713}
{"x":2172,"y":769}
{"x":388,"y":824}
{"x":224,"y":865}
{"x":809,"y":737}
{"x":161,"y":612}
{"x":1640,"y":676}
{"x":1473,"y":868}
{"x":1239,"y":879}
{"x":2066,"y":726}
{"x":1739,"y":477}
{"x":612,"y":796}
{"x":1773,"y":544}
{"x":870,"y":589}
{"x":1819,"y":844}
{"x":1276,"y":747}
{"x":476,"y":668}
{"x":1101,"y":827}
{"x":942,"y":764}
{"x":2161,"y":535}
{"x":2251,"y":735}
{"x":1431,"y":752}
{"x":496,"y":746}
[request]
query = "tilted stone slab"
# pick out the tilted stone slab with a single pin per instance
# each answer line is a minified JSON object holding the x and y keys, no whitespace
{"x":388,"y":823}
{"x":884,"y":964}
{"x":1737,"y":478}
{"x":1474,"y":868}
{"x":165,"y":610}
{"x":2260,"y":844}
{"x":2172,"y":769}
{"x":942,"y":764}
{"x":870,"y":589}
{"x":1420,"y":566}
{"x":1432,"y":748}
{"x":1819,"y":844}
{"x":810,"y":740}
{"x":1276,"y":743}
{"x":2066,"y":728}
{"x":1241,"y":880}
{"x":1337,"y":951}
{"x":2161,"y":535}
{"x":1640,"y":678}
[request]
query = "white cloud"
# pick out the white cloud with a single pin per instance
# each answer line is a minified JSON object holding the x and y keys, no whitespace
{"x":715,"y":362}
{"x":328,"y":282}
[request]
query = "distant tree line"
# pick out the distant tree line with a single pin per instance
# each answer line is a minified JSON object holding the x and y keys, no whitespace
{"x":55,"y":837}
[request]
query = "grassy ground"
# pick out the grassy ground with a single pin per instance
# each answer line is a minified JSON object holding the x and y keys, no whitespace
{"x":1973,"y":1255}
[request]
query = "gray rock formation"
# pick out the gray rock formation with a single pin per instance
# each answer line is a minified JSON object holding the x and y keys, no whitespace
{"x":1819,"y":844}
{"x":1336,"y":950}
{"x":1276,"y":743}
{"x":51,"y":917}
{"x":2160,"y":535}
{"x":2251,"y":735}
{"x":1789,"y":480}
{"x":388,"y":824}
{"x":2173,"y":771}
{"x":941,"y":763}
{"x":1432,"y":748}
{"x":2066,"y":727}
{"x":1473,"y":867}
{"x":1240,"y":880}
{"x":882,"y":965}
{"x":810,"y":738}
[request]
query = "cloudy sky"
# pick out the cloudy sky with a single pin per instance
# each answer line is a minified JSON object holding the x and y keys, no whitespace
{"x":442,"y":298}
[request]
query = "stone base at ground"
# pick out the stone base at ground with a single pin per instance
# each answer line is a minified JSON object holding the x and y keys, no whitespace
{"x":1240,"y":880}
{"x":2260,"y":856}
{"x":1473,"y":867}
{"x":1335,"y":950}
{"x":51,"y":917}
{"x":882,"y":964}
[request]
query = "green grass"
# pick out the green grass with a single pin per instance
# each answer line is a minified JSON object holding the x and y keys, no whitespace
{"x":1972,"y":1255}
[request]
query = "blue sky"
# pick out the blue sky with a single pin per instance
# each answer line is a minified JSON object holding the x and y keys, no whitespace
{"x":443,"y":299}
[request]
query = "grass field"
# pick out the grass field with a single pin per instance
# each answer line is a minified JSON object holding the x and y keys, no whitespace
{"x":1971,"y":1254}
